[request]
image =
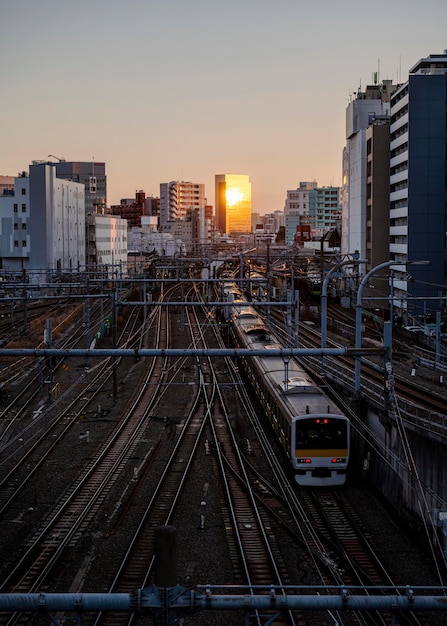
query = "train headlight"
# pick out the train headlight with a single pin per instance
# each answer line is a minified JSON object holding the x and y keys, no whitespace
{"x":304,"y":460}
{"x":338,"y":460}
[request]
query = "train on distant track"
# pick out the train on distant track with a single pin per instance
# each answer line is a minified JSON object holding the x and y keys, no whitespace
{"x":313,"y":431}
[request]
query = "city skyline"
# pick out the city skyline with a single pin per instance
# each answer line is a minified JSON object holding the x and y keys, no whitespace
{"x":185,"y":91}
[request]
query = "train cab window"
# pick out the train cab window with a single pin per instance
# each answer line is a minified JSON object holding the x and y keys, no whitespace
{"x":321,"y":432}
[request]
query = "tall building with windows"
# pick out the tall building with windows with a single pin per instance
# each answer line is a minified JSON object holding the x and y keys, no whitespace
{"x":368,"y":105}
{"x":92,"y":175}
{"x":377,"y":192}
{"x":131,"y":209}
{"x":105,"y":243}
{"x":233,"y":203}
{"x":296,"y":209}
{"x":179,"y":197}
{"x":418,"y":183}
{"x":43,"y":222}
{"x":324,"y":209}
{"x":317,"y":208}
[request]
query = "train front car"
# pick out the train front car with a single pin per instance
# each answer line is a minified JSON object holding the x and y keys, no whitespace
{"x":320,"y":449}
{"x":314,"y":433}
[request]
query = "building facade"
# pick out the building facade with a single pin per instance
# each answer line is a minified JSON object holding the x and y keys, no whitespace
{"x":233,"y":204}
{"x":132,"y":209}
{"x":418,"y":183}
{"x":324,"y":209}
{"x":14,"y":225}
{"x":296,"y":209}
{"x":193,"y":234}
{"x":90,"y":174}
{"x":43,"y":223}
{"x":6,"y":185}
{"x":377,"y":191}
{"x":107,"y":250}
{"x":361,"y":112}
{"x":177,"y":197}
{"x":311,"y":208}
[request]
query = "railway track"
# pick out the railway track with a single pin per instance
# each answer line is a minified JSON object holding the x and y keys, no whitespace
{"x":21,"y":463}
{"x":70,"y":518}
{"x":136,"y":569}
{"x":428,"y":404}
{"x":23,"y":379}
{"x":324,"y":524}
{"x":258,"y":504}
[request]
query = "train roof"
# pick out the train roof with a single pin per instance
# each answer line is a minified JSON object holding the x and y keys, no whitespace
{"x":283,"y":375}
{"x":245,"y":312}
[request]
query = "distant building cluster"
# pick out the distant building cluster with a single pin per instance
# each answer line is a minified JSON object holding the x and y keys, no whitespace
{"x":391,"y":205}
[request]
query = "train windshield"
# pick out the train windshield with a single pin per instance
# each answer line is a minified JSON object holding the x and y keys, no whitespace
{"x":321,"y":432}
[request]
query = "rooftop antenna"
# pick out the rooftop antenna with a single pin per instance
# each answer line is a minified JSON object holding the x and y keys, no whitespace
{"x":93,"y":178}
{"x":60,"y":159}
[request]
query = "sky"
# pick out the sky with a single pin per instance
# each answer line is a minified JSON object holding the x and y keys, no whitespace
{"x":164,"y":90}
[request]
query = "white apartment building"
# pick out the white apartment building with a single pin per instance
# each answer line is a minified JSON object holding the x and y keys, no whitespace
{"x":296,"y":208}
{"x":360,"y":113}
{"x":111,"y":243}
{"x":177,"y":197}
{"x":43,"y":222}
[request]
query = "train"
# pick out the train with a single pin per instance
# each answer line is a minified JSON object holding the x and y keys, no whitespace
{"x":312,"y":430}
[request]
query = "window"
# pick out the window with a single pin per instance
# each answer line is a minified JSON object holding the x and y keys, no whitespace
{"x":23,"y":208}
{"x":16,"y":226}
{"x":16,"y":243}
{"x":23,"y":243}
{"x":23,"y":225}
{"x":23,"y":191}
{"x":16,"y":208}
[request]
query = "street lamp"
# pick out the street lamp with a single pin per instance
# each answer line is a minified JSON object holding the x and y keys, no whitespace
{"x":358,"y":311}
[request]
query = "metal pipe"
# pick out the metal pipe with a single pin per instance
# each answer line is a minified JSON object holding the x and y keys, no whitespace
{"x":149,"y":599}
{"x":178,"y":352}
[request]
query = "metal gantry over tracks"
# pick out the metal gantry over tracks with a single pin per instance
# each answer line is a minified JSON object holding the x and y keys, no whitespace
{"x":165,"y":602}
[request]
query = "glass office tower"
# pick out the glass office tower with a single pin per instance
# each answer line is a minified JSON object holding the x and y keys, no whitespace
{"x":233,"y":203}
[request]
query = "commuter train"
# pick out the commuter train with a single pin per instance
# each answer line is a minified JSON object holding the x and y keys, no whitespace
{"x":312,"y":430}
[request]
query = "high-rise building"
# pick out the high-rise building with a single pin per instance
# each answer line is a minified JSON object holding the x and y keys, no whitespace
{"x":317,"y":208}
{"x":418,"y":183}
{"x":361,"y":112}
{"x":377,"y":193}
{"x":233,"y":203}
{"x":324,"y":209}
{"x":296,"y":209}
{"x":178,"y":197}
